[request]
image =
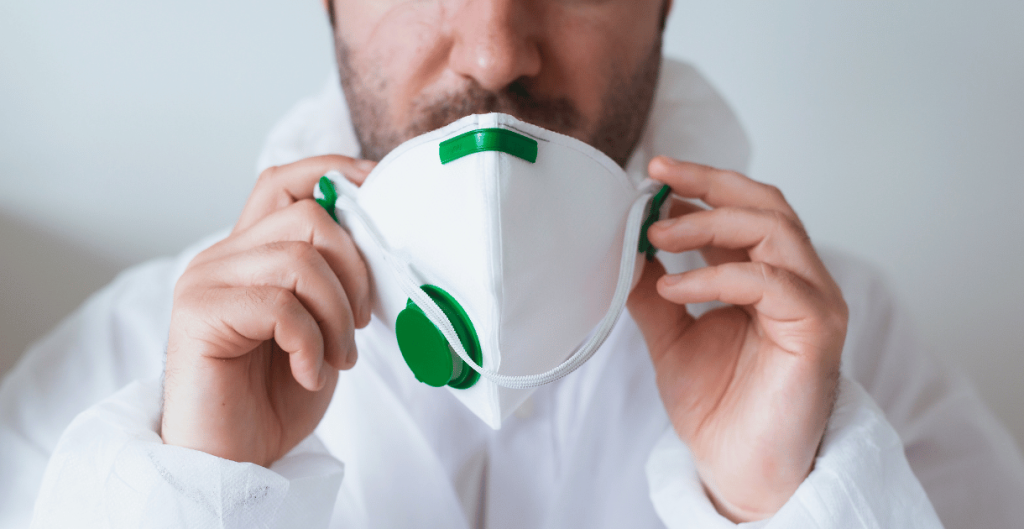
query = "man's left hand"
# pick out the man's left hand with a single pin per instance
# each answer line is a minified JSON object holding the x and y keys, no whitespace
{"x":749,"y":387}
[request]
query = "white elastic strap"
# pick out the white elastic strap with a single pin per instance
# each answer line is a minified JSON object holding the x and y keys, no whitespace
{"x":630,"y":243}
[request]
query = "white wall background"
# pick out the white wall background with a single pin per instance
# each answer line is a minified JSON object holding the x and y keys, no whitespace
{"x":129,"y":129}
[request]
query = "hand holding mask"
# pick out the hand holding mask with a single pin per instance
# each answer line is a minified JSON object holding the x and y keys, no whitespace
{"x":749,"y":386}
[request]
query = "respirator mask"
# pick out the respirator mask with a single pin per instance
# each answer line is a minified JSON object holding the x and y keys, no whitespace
{"x":501,"y":253}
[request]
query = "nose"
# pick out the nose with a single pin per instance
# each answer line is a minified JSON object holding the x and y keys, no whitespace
{"x":494,"y":43}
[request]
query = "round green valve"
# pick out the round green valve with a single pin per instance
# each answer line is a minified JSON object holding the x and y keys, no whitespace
{"x":425,"y":349}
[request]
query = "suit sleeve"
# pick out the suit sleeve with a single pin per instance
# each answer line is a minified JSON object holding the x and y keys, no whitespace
{"x":964,"y":458}
{"x":110,"y":469}
{"x":118,"y":335}
{"x":861,"y":479}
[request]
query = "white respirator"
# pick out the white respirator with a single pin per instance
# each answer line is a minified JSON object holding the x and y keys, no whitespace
{"x":501,"y":253}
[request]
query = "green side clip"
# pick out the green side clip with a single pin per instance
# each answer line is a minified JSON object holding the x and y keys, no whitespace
{"x":652,"y":216}
{"x":480,"y":140}
{"x":330,"y":196}
{"x":425,"y":349}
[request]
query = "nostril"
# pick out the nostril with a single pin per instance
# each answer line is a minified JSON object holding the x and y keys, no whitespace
{"x":518,"y":89}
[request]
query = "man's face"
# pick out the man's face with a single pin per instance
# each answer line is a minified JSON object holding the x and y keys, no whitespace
{"x":585,"y":68}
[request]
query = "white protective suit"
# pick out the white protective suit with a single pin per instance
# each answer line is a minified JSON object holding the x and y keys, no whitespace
{"x":79,"y":415}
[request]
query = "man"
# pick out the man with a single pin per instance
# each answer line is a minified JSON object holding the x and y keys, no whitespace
{"x":692,"y":415}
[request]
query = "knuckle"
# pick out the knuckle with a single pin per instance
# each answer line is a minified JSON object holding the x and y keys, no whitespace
{"x":281,"y":300}
{"x":728,"y":174}
{"x":834,"y":326}
{"x":841,"y":316}
{"x":309,"y":208}
{"x":186,"y":303}
{"x":301,"y":254}
{"x":192,"y":310}
{"x":206,"y":256}
{"x":311,"y":214}
{"x":195,"y":280}
{"x":839,"y":323}
{"x":782,"y":221}
{"x":254,"y":297}
{"x":333,"y":159}
{"x":832,"y":317}
{"x":790,"y":225}
{"x":725,"y":178}
{"x":774,"y":194}
{"x":717,"y":273}
{"x":268,"y":174}
{"x":182,"y":290}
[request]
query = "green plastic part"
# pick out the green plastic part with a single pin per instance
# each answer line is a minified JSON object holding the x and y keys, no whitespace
{"x":652,"y":216}
{"x":426,"y":350}
{"x":330,"y":196}
{"x":480,"y":140}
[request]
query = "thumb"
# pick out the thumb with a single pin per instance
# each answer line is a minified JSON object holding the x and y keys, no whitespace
{"x":660,"y":321}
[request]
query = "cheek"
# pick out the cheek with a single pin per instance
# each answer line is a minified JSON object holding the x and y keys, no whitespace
{"x":588,"y":49}
{"x":399,"y":46}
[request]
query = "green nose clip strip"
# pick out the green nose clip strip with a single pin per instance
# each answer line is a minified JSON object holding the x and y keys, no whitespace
{"x":480,"y":140}
{"x":425,"y":349}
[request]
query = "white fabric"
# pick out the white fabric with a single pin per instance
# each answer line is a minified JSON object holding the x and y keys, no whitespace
{"x":494,"y":232}
{"x":591,"y":450}
{"x":860,"y":476}
{"x":167,"y":486}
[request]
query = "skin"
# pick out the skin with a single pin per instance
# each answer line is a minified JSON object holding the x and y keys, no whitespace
{"x":534,"y":59}
{"x":263,"y":321}
{"x":750,"y":386}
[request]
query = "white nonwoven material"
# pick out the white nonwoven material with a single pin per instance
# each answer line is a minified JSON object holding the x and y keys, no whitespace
{"x":861,"y":479}
{"x":536,"y":253}
{"x":111,"y":469}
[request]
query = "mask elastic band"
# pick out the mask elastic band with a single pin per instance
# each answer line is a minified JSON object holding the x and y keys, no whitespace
{"x":634,"y":220}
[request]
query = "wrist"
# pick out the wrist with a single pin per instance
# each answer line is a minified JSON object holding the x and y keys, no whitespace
{"x":755,"y":509}
{"x":752,"y":496}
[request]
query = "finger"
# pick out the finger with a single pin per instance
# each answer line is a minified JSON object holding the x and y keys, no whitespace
{"x":767,"y":236}
{"x":306,"y":221}
{"x":683,"y":207}
{"x":773,"y":292}
{"x":244,"y":317}
{"x":711,"y":254}
{"x":717,"y":187}
{"x":660,"y":321}
{"x":281,"y":186}
{"x":299,"y":268}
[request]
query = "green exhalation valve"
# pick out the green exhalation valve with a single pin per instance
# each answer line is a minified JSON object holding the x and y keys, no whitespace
{"x":425,"y":349}
{"x":480,"y":140}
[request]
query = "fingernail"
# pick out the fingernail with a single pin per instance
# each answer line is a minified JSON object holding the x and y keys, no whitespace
{"x":366,"y":165}
{"x":322,"y":380}
{"x":666,"y":161}
{"x":671,"y":279}
{"x":666,"y":223}
{"x":353,"y":355}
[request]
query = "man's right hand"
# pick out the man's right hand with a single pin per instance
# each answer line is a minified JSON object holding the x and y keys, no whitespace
{"x":263,"y":320}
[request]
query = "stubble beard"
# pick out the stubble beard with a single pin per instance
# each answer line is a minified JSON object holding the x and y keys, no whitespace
{"x":615,"y":132}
